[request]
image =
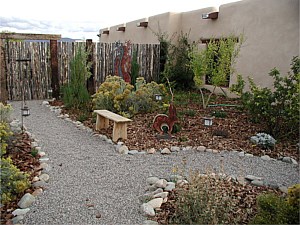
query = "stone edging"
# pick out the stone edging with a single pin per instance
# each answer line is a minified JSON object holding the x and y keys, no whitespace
{"x":39,"y":181}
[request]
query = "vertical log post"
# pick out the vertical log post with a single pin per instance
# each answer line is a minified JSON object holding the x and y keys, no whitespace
{"x":54,"y":69}
{"x":90,"y":81}
{"x":3,"y":75}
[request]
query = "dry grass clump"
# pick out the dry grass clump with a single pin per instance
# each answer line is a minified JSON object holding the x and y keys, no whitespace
{"x":211,"y":199}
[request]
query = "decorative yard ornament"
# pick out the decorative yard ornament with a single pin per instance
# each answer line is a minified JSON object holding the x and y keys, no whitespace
{"x":162,"y":120}
{"x":122,"y":61}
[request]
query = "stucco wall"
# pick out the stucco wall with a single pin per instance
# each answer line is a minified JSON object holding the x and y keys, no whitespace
{"x":270,"y":28}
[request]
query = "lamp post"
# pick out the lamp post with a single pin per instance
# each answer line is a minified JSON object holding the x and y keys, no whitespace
{"x":158,"y":97}
{"x":208,"y":122}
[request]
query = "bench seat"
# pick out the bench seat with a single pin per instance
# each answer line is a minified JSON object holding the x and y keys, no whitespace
{"x":120,"y":123}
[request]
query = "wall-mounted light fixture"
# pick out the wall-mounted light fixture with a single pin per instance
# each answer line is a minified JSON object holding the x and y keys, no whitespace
{"x":211,"y":15}
{"x":121,"y":28}
{"x":142,"y":24}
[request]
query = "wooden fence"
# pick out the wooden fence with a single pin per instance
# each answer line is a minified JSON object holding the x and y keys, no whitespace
{"x":28,"y":66}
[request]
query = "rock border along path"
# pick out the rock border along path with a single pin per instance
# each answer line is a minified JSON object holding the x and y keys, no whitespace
{"x":90,"y":182}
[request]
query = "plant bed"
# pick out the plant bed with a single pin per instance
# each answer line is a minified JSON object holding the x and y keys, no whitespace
{"x":231,"y":129}
{"x":20,"y":151}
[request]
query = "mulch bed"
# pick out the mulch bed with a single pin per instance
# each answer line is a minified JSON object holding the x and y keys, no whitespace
{"x":19,"y":150}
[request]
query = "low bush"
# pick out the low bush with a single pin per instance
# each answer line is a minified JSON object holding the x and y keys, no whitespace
{"x":4,"y":135}
{"x":119,"y":96}
{"x":13,"y":181}
{"x":5,"y":112}
{"x":273,"y":209}
{"x":278,"y":109}
{"x":204,"y":201}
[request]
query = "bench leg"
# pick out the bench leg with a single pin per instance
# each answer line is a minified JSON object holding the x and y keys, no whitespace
{"x":101,"y":122}
{"x":119,"y":131}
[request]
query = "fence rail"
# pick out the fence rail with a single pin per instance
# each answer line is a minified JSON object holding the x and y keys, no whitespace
{"x":28,"y":67}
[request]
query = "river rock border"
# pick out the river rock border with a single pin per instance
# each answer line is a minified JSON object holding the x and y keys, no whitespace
{"x":39,"y":181}
{"x":158,"y":189}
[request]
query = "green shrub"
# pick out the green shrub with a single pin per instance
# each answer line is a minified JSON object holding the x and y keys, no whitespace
{"x":275,"y":210}
{"x":5,"y":133}
{"x":113,"y":95}
{"x":278,"y":109}
{"x":5,"y":112}
{"x":75,"y":93}
{"x":13,"y":182}
{"x":204,"y":201}
{"x":118,"y":96}
{"x":219,"y":114}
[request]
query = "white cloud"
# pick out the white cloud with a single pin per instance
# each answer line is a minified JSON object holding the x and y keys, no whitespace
{"x":84,"y":19}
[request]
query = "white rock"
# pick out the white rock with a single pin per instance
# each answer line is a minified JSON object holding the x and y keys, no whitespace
{"x":241,"y":154}
{"x":161,"y":183}
{"x":165,"y":151}
{"x":294,"y":161}
{"x":44,"y":177}
{"x":155,"y":203}
{"x":201,"y":148}
{"x":133,"y":152}
{"x":41,"y":154}
{"x":161,"y":195}
{"x":152,"y":180}
{"x":147,"y":210}
{"x":45,"y":103}
{"x":35,"y":179}
{"x":26,"y":201}
{"x":34,"y":144}
{"x":170,"y":186}
{"x":19,"y":212}
{"x":165,"y":200}
{"x":151,"y":151}
{"x":175,"y":149}
{"x":251,"y":177}
{"x":150,"y":222}
{"x":37,"y":192}
{"x":123,"y":150}
{"x":181,"y":183}
{"x":265,"y":157}
{"x":249,"y":155}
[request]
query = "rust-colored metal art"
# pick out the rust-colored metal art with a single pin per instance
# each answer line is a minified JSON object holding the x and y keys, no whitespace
{"x":163,"y":120}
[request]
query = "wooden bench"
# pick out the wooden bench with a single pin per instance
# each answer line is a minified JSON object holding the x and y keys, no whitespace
{"x":120,"y":123}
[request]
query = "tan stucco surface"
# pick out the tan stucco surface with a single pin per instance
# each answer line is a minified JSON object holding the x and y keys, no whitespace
{"x":270,"y":28}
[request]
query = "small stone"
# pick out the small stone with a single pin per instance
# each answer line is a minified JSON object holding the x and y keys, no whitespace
{"x":241,"y":180}
{"x":44,"y":177}
{"x":287,"y":159}
{"x":170,"y":186}
{"x":249,"y":155}
{"x":41,"y":154}
{"x":175,"y":149}
{"x":26,"y":201}
{"x":133,"y":152}
{"x":150,"y":222}
{"x":265,"y":157}
{"x":19,"y":212}
{"x":161,"y":195}
{"x":251,"y":178}
{"x":155,"y":203}
{"x":17,"y":219}
{"x":283,"y":189}
{"x":123,"y":150}
{"x":44,"y":159}
{"x":201,"y":149}
{"x":45,"y":103}
{"x":34,"y":144}
{"x":181,"y":183}
{"x":165,"y":151}
{"x":258,"y":183}
{"x":273,"y":185}
{"x":165,"y":199}
{"x":39,"y":184}
{"x":98,"y":215}
{"x":151,"y":151}
{"x":215,"y":151}
{"x":294,"y":161}
{"x":209,"y":150}
{"x":161,"y":183}
{"x":147,"y":210}
{"x":241,"y":154}
{"x":35,"y":179}
{"x":37,"y":192}
{"x":152,"y":180}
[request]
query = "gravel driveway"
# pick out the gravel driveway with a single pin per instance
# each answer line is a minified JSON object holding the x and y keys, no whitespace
{"x":89,"y":179}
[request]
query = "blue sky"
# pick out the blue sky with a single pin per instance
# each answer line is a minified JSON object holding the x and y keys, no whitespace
{"x":82,"y":20}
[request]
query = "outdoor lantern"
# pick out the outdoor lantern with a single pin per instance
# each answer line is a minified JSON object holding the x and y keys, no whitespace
{"x":158,"y":97}
{"x":25,"y":111}
{"x":208,"y":121}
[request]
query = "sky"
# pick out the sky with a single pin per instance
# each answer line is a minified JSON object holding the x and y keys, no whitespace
{"x":84,"y":19}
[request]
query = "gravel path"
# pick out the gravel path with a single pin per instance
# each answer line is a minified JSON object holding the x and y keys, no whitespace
{"x":84,"y":168}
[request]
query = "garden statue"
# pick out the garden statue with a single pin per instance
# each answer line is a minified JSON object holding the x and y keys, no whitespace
{"x":163,"y":120}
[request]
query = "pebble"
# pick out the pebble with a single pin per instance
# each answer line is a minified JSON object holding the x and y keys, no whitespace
{"x":26,"y":201}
